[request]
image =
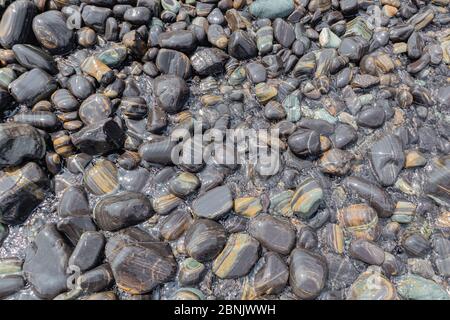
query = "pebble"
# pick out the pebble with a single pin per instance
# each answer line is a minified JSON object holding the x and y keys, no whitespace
{"x":237,"y":258}
{"x":115,"y":212}
{"x":46,"y":262}
{"x":307,"y":198}
{"x":307,"y":273}
{"x":205,"y":239}
{"x":214,"y":203}
{"x":273,"y":233}
{"x":387,"y":159}
{"x":413,"y":287}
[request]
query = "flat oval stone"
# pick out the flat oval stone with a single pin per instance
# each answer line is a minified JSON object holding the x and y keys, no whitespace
{"x":139,"y":267}
{"x":137,"y":15}
{"x":15,"y":25}
{"x":115,"y":212}
{"x":307,"y":273}
{"x":367,"y":252}
{"x":33,"y":57}
{"x":80,"y":87}
{"x":101,"y":178}
{"x":52,"y":33}
{"x":372,"y":285}
{"x":22,"y":189}
{"x":237,"y":258}
{"x":205,"y":239}
{"x":273,"y":233}
{"x":376,"y":197}
{"x":270,"y":9}
{"x":175,"y":224}
{"x":213,"y":204}
{"x":304,"y":142}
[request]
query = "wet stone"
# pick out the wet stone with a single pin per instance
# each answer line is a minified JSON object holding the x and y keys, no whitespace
{"x":375,"y":196}
{"x":387,"y":159}
{"x":122,"y":210}
{"x":416,"y":245}
{"x":241,"y":45}
{"x":32,"y":86}
{"x":191,"y":272}
{"x":173,"y":62}
{"x":21,"y":190}
{"x":307,"y":273}
{"x":205,"y":239}
{"x":283,"y":32}
{"x":171,"y":92}
{"x":272,"y":277}
{"x":213,"y":204}
{"x":372,"y":285}
{"x":237,"y":258}
{"x":175,"y":224}
{"x":31,"y":57}
{"x":46,"y":262}
{"x":247,"y":206}
{"x":95,"y":108}
{"x":271,"y":10}
{"x":18,"y":143}
{"x":273,"y":233}
{"x":52,"y":33}
{"x":367,"y":252}
{"x":304,"y":142}
{"x":413,"y":287}
{"x":208,"y":61}
{"x":88,"y":251}
{"x":139,"y":266}
{"x":16,"y":22}
{"x":336,"y":162}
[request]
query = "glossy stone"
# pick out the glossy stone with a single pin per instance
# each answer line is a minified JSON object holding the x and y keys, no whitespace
{"x":307,"y":273}
{"x":46,"y":262}
{"x":273,"y":233}
{"x":21,"y":190}
{"x":52,"y":33}
{"x":307,"y":198}
{"x":387,"y":159}
{"x":213,"y":204}
{"x":237,"y":258}
{"x":205,"y":239}
{"x":118,"y":211}
{"x":20,"y":142}
{"x":32,"y":86}
{"x":15,"y":25}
